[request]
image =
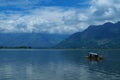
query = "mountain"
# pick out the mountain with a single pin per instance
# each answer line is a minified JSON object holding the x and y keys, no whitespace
{"x":96,"y":36}
{"x":37,"y":40}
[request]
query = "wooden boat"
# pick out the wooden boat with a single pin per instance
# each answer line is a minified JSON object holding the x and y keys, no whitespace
{"x":94,"y":56}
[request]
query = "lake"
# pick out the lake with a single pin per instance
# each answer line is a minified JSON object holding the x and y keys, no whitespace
{"x":58,"y":65}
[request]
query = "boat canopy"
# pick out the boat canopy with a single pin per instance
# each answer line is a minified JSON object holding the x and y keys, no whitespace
{"x":93,"y":53}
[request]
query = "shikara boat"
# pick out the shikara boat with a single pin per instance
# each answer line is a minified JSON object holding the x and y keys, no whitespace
{"x":94,"y":56}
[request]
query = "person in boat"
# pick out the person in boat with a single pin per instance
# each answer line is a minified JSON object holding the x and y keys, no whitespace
{"x":93,"y":55}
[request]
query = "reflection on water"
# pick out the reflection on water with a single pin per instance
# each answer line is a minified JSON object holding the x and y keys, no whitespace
{"x":58,"y":65}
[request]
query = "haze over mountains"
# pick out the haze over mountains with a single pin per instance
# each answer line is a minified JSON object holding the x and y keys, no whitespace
{"x":35,"y":40}
{"x":96,"y":36}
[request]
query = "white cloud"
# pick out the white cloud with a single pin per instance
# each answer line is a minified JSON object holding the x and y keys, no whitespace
{"x":50,"y":20}
{"x":102,"y":3}
{"x":104,"y":10}
{"x":60,"y":19}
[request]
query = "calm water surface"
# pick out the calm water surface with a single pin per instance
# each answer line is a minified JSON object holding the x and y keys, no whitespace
{"x":58,"y":65}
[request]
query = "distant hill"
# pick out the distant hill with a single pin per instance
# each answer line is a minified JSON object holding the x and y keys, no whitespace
{"x":96,"y":36}
{"x":36,"y":40}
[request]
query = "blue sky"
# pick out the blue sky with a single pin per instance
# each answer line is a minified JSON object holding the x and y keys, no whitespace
{"x":56,"y":16}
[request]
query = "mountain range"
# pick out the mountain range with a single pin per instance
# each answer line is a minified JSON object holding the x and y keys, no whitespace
{"x":95,"y":36}
{"x":35,"y":40}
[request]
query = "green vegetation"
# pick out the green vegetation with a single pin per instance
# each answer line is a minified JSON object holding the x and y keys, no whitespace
{"x":106,"y":36}
{"x":17,"y":47}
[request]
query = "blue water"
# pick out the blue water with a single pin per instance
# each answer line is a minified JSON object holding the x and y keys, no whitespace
{"x":58,"y":65}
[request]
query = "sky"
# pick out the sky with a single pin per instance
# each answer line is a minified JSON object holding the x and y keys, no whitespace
{"x":55,"y":16}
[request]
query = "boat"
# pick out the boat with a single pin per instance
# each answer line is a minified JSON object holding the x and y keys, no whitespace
{"x":94,"y":56}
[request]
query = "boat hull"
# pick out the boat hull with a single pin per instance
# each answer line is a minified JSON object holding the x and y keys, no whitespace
{"x":94,"y":58}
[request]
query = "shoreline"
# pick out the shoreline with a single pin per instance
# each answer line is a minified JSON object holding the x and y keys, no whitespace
{"x":56,"y":49}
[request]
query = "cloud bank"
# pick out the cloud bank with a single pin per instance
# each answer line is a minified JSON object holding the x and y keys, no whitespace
{"x":58,"y":19}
